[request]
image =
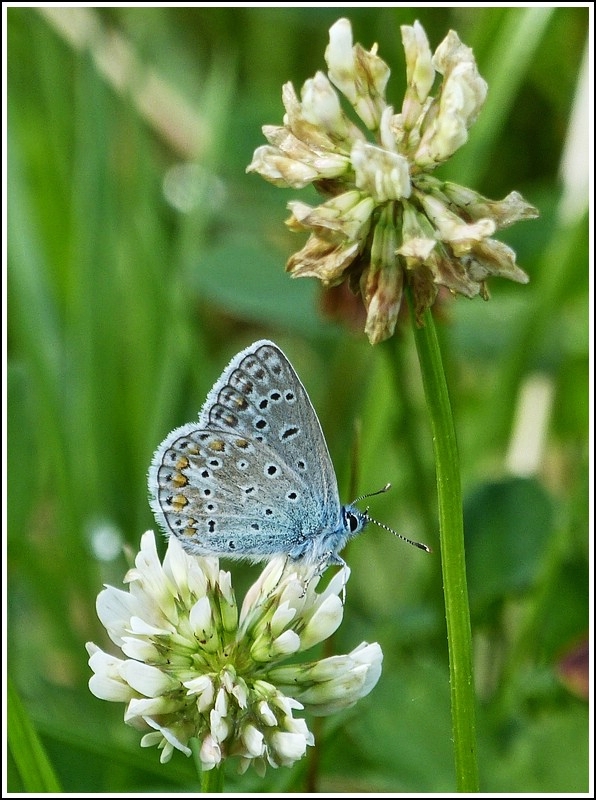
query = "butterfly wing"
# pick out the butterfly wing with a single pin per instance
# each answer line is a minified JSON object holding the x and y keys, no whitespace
{"x":253,"y":477}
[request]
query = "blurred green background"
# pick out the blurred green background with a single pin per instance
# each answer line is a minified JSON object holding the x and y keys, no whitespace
{"x":141,"y":257}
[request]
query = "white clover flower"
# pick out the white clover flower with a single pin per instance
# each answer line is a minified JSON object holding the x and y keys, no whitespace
{"x":194,"y":667}
{"x":386,"y":222}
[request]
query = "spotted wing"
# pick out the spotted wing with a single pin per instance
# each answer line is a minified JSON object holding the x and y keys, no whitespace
{"x":253,"y":477}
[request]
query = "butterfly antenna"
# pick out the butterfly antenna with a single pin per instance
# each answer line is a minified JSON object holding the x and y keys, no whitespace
{"x":374,"y":494}
{"x":386,"y":488}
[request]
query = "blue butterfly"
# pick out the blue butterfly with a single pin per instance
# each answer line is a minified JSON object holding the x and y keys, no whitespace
{"x":252,"y":478}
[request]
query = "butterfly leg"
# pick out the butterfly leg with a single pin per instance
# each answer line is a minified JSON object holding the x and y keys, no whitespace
{"x":333,"y":558}
{"x":328,"y":559}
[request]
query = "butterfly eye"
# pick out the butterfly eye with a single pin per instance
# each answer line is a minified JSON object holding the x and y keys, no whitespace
{"x":351,"y":521}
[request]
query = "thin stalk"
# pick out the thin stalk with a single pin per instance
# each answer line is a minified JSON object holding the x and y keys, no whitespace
{"x":212,"y":780}
{"x":457,"y":612}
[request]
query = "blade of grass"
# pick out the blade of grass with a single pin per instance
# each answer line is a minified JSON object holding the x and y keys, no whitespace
{"x":26,"y":748}
{"x":519,"y":35}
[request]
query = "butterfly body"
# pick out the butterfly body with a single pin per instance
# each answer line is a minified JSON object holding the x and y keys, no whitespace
{"x":252,"y":478}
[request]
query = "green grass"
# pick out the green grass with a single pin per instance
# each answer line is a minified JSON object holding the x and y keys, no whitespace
{"x":122,"y":311}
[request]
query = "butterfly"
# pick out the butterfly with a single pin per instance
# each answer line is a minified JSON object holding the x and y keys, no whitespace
{"x":252,"y":478}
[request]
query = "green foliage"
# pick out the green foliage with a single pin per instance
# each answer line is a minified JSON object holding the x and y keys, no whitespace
{"x":35,"y":772}
{"x":124,"y":310}
{"x":508,"y":525}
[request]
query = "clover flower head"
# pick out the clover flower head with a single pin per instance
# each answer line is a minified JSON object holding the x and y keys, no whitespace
{"x":195,"y":666}
{"x":386,"y":221}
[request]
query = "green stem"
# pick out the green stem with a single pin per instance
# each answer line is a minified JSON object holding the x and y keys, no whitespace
{"x":457,"y":612}
{"x":212,"y":780}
